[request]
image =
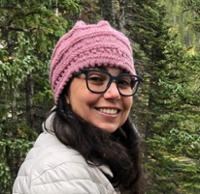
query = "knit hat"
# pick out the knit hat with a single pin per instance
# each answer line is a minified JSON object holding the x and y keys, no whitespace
{"x":88,"y":45}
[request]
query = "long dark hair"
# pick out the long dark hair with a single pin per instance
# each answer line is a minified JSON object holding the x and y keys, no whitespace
{"x":119,"y":151}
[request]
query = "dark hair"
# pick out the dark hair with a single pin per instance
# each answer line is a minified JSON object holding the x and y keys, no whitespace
{"x":101,"y":148}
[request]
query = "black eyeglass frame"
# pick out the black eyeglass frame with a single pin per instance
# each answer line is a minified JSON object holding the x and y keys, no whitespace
{"x":137,"y":79}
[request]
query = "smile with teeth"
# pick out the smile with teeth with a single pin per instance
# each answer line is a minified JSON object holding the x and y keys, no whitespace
{"x":110,"y":111}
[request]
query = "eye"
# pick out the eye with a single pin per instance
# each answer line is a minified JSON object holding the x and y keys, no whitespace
{"x":124,"y":81}
{"x":96,"y":77}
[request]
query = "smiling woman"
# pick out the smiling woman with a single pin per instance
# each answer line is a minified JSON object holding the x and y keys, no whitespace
{"x":88,"y":144}
{"x":107,"y":110}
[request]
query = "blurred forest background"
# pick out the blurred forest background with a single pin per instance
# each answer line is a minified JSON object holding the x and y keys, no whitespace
{"x":166,"y":45}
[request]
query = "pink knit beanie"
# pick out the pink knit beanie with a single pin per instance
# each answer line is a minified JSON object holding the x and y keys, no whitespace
{"x":88,"y":45}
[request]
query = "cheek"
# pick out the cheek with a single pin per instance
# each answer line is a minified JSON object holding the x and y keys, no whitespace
{"x":128,"y":102}
{"x":80,"y":98}
{"x":127,"y":108}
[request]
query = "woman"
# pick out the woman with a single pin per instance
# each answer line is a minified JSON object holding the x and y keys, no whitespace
{"x":88,"y":144}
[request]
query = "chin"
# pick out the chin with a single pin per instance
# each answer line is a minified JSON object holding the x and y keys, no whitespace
{"x":108,"y":129}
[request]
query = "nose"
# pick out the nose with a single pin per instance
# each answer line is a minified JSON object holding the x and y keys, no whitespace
{"x":112,"y":92}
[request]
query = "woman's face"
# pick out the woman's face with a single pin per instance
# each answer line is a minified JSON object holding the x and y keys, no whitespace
{"x":107,"y":111}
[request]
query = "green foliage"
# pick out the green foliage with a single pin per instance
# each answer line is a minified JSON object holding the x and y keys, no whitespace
{"x":183,"y":20}
{"x":28,"y":32}
{"x":14,"y":150}
{"x":166,"y":108}
{"x":194,"y":7}
{"x":174,"y":143}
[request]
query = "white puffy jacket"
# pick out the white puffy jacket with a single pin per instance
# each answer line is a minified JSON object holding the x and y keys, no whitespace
{"x":52,"y":168}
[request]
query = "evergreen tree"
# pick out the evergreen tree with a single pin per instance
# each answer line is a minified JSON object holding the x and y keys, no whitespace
{"x":28,"y":31}
{"x":166,"y":110}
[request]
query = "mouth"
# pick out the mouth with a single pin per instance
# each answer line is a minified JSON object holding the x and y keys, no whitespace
{"x":109,"y":111}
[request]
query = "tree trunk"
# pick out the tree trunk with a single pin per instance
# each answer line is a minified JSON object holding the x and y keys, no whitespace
{"x":29,"y":100}
{"x":113,"y":11}
{"x":13,"y":93}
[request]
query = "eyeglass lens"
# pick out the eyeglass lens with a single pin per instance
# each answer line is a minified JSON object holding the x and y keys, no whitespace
{"x":100,"y":81}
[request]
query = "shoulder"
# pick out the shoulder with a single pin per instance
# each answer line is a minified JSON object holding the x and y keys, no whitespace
{"x":51,"y":166}
{"x":47,"y":154}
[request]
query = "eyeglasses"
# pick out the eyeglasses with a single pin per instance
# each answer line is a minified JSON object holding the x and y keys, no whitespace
{"x":98,"y":81}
